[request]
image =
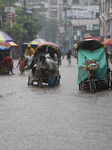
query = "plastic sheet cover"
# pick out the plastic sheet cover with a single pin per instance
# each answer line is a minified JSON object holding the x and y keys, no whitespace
{"x":99,"y":56}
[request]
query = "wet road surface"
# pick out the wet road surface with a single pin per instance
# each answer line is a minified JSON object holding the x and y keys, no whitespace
{"x":61,"y":118}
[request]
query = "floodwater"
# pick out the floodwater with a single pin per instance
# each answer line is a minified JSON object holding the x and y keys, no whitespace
{"x":60,"y":118}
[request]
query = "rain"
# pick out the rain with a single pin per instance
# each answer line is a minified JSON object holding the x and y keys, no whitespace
{"x":76,"y":113}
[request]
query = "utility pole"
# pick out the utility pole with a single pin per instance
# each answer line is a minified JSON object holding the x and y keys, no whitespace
{"x":66,"y":6}
{"x":8,"y":3}
{"x":24,"y":3}
{"x":49,"y":10}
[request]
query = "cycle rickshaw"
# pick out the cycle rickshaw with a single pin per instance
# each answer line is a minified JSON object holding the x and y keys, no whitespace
{"x":93,"y":69}
{"x":35,"y":74}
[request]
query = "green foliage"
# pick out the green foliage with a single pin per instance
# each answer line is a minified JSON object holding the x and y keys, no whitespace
{"x":42,"y":19}
{"x":8,"y":2}
{"x":26,"y":27}
{"x":30,"y":23}
{"x":16,"y":31}
{"x":3,"y":4}
{"x":2,"y":11}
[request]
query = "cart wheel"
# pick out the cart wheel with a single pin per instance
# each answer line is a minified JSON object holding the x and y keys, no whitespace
{"x":108,"y":83}
{"x":111,"y":85}
{"x":93,"y":85}
{"x":28,"y":81}
{"x":57,"y":81}
{"x":80,"y":86}
{"x":97,"y":87}
{"x":40,"y":82}
{"x":90,"y":85}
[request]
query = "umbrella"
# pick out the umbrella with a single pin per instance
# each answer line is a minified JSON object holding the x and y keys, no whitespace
{"x":8,"y":44}
{"x":108,"y":41}
{"x":35,"y":42}
{"x":3,"y":48}
{"x":38,"y":40}
{"x":4,"y":37}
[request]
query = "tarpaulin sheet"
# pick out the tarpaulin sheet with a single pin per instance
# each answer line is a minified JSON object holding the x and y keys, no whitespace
{"x":99,"y":56}
{"x":3,"y":48}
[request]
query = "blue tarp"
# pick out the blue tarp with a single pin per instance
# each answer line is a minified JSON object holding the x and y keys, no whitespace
{"x":111,"y":48}
{"x":3,"y":48}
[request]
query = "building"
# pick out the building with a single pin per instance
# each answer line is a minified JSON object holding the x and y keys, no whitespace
{"x":105,"y":19}
{"x":84,"y":22}
{"x":55,"y":9}
{"x":76,"y":20}
{"x":51,"y":8}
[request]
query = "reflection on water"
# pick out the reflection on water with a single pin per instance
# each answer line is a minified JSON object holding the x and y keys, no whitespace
{"x":88,"y":94}
{"x":53,"y":118}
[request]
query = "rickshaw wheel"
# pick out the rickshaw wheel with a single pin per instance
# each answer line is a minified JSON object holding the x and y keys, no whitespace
{"x":111,"y":85}
{"x":40,"y":82}
{"x":93,"y":85}
{"x":108,"y":83}
{"x":80,"y":86}
{"x":28,"y":81}
{"x":57,"y":81}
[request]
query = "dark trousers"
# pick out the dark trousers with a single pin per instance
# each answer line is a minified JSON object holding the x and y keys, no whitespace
{"x":9,"y":69}
{"x":52,"y":82}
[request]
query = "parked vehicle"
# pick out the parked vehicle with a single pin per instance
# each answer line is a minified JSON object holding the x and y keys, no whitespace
{"x":93,"y":69}
{"x":35,"y":74}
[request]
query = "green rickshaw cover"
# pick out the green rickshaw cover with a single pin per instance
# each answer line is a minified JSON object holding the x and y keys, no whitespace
{"x":99,"y":56}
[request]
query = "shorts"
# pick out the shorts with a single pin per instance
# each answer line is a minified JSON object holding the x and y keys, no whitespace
{"x":21,"y":71}
{"x":9,"y":69}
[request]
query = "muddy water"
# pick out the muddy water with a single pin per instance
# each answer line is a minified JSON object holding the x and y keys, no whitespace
{"x":61,"y":118}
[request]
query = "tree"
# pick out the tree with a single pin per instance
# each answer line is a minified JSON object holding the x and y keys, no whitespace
{"x":2,"y":13}
{"x":30,"y":23}
{"x":26,"y":27}
{"x":32,"y":3}
{"x":8,"y":2}
{"x":3,"y":4}
{"x":17,"y":32}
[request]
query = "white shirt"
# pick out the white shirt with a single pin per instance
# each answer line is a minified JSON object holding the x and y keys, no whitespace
{"x":55,"y":59}
{"x":30,"y":59}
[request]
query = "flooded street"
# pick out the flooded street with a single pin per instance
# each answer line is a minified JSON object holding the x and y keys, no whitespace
{"x":60,"y":118}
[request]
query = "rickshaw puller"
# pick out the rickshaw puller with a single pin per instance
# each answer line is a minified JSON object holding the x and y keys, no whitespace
{"x":50,"y":66}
